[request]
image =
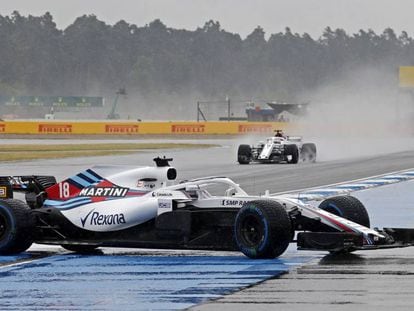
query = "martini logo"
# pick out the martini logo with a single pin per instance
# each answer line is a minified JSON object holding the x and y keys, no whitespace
{"x":255,"y":128}
{"x":103,"y":192}
{"x":188,"y":128}
{"x":121,"y":128}
{"x":55,"y":128}
{"x":98,"y":219}
{"x":2,"y":128}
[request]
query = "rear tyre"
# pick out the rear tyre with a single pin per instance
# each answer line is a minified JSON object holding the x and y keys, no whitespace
{"x":244,"y":154}
{"x":82,"y":249}
{"x":309,"y":152}
{"x":16,"y":227}
{"x":348,"y":207}
{"x":262,"y":229}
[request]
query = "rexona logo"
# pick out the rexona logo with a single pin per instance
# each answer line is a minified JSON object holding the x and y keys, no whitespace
{"x":97,"y":219}
{"x":188,"y":128}
{"x":55,"y":128}
{"x":121,"y":128}
{"x":2,"y":128}
{"x":103,"y":192}
{"x":255,"y":128}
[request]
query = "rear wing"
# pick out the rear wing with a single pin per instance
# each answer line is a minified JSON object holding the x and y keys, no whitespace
{"x":31,"y":183}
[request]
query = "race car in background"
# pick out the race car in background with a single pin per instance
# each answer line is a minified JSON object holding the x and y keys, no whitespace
{"x":144,"y":207}
{"x":277,"y":149}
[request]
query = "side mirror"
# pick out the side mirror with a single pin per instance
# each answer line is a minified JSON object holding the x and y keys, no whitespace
{"x":230,"y":192}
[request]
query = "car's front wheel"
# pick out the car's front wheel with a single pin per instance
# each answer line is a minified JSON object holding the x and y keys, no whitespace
{"x":347,"y":207}
{"x":262,"y":229}
{"x":244,"y":154}
{"x":293,"y":151}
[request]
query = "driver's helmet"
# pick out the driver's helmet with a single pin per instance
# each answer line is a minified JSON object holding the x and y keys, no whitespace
{"x":279,"y":133}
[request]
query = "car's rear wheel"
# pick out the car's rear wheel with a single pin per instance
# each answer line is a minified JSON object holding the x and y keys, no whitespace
{"x":262,"y":229}
{"x":244,"y":154}
{"x":16,"y":227}
{"x":308,"y":152}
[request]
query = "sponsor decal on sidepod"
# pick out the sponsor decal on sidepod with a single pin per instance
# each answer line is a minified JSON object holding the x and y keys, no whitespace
{"x":98,"y":219}
{"x":103,"y":192}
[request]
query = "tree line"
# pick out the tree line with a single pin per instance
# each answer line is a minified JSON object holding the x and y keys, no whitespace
{"x":90,"y":57}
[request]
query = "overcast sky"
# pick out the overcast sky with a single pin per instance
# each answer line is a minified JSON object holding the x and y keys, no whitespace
{"x":240,"y":16}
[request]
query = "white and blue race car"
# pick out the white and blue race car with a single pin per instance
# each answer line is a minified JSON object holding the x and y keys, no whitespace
{"x":145,"y":207}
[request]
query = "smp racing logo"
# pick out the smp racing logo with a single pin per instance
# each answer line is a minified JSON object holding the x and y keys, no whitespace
{"x":97,"y":219}
{"x":103,"y":192}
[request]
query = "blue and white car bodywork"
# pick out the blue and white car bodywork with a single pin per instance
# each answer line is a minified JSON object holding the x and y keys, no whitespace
{"x":145,"y":207}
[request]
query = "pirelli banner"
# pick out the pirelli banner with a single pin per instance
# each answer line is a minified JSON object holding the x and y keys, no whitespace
{"x":141,"y":128}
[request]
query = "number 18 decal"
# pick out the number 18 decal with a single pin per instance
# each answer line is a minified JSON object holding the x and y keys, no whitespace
{"x":64,"y":190}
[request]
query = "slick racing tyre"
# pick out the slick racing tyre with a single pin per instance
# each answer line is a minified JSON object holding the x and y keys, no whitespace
{"x":244,"y":154}
{"x":262,"y":229}
{"x":348,"y":207}
{"x":82,"y":249}
{"x":293,"y":151}
{"x":16,"y":227}
{"x":308,"y":153}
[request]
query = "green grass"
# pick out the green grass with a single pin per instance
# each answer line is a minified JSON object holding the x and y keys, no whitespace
{"x":33,"y":152}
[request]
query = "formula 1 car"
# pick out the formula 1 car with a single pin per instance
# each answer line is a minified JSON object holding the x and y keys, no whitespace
{"x":278,"y":149}
{"x":143,"y":207}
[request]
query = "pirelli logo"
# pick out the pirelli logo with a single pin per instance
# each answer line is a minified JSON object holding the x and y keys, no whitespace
{"x":55,"y":128}
{"x":2,"y":128}
{"x":255,"y":128}
{"x":121,"y":128}
{"x":188,"y":128}
{"x":3,"y":192}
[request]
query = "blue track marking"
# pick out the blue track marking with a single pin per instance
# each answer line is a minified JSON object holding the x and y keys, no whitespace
{"x":132,"y":282}
{"x":14,"y":258}
{"x":320,"y":193}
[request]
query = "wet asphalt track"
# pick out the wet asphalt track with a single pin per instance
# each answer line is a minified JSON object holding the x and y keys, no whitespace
{"x":370,"y":280}
{"x":173,"y":280}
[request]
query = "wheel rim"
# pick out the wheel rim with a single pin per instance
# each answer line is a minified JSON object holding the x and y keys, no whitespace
{"x":252,"y":231}
{"x":3,"y":226}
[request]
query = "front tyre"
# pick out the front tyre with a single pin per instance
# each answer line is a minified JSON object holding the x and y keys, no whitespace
{"x":262,"y":229}
{"x":244,"y":154}
{"x":293,"y":151}
{"x":347,"y":207}
{"x":16,"y":227}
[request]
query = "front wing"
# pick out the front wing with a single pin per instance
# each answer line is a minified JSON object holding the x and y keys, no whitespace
{"x":350,"y":241}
